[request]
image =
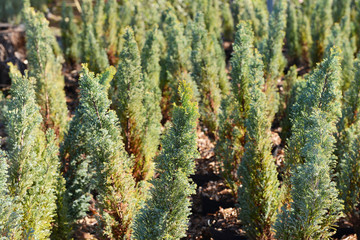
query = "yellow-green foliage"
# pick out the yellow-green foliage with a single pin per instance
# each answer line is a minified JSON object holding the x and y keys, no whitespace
{"x":165,"y":214}
{"x":321,"y":21}
{"x":45,"y":66}
{"x":91,"y":50}
{"x":33,"y":161}
{"x":97,"y":161}
{"x":205,"y":72}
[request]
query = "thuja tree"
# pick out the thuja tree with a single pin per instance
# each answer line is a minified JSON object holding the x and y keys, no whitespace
{"x":10,"y":11}
{"x":321,"y":90}
{"x":204,"y":73}
{"x":229,"y":147}
{"x":138,"y":22}
{"x":165,"y":214}
{"x":356,"y":13}
{"x":78,"y":172}
{"x":34,"y":165}
{"x":348,"y":143}
{"x":314,"y":208}
{"x":111,"y":27}
{"x":321,"y":22}
{"x":177,"y":61}
{"x":90,"y":48}
{"x":274,"y":60}
{"x":96,"y":163}
{"x":46,"y":68}
{"x":9,"y":215}
{"x":211,"y":14}
{"x":69,"y":32}
{"x":227,"y":21}
{"x":254,"y":11}
{"x":150,"y":57}
{"x":292,"y":31}
{"x":99,"y":20}
{"x":127,"y":98}
{"x":293,"y":85}
{"x":220,"y":60}
{"x":304,"y":33}
{"x":259,"y":194}
{"x":340,"y":37}
{"x":339,"y":9}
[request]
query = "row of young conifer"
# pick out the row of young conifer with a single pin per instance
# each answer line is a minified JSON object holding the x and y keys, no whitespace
{"x":106,"y":159}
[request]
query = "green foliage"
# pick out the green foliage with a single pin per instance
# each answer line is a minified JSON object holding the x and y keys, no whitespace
{"x":315,"y":207}
{"x":241,"y":63}
{"x":178,"y":53}
{"x":10,"y":11}
{"x":293,"y":86}
{"x":321,"y":22}
{"x":349,"y":173}
{"x":9,"y":214}
{"x":133,"y":108}
{"x":292,"y":31}
{"x":46,"y":68}
{"x":259,"y":194}
{"x":98,"y":162}
{"x":321,"y":91}
{"x":351,"y":104}
{"x":274,"y":60}
{"x":99,"y":19}
{"x":305,"y":35}
{"x":233,"y":109}
{"x":111,"y":26}
{"x":219,"y":58}
{"x":339,"y":9}
{"x":347,"y":150}
{"x":229,"y":146}
{"x":69,"y":32}
{"x":79,"y":172}
{"x":204,"y":72}
{"x":177,"y":61}
{"x":165,"y":214}
{"x":212,"y":15}
{"x":256,"y":12}
{"x":150,"y":57}
{"x":90,"y":48}
{"x":340,"y":37}
{"x":227,"y":21}
{"x":34,"y":165}
{"x":356,"y":21}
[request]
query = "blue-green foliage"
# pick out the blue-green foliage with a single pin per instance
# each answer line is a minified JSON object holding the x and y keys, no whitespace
{"x":234,"y":108}
{"x":321,"y":91}
{"x":205,"y":72}
{"x":10,"y":215}
{"x":273,"y":59}
{"x":43,"y":54}
{"x":150,"y":57}
{"x":165,"y":214}
{"x":321,"y":22}
{"x":348,"y":141}
{"x":259,"y":194}
{"x":90,"y":47}
{"x":97,"y":160}
{"x":314,"y":207}
{"x":69,"y":32}
{"x":33,"y":161}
